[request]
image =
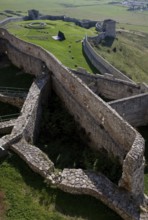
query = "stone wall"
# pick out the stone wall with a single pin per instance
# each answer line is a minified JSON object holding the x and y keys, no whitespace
{"x":82,"y":23}
{"x":31,"y":65}
{"x":11,"y":19}
{"x":100,"y":63}
{"x":12,"y":99}
{"x":109,"y":87}
{"x":103,"y":124}
{"x":29,"y":119}
{"x":133,"y":109}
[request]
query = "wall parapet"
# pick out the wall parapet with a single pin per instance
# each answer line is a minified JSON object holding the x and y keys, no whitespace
{"x":100,"y":63}
{"x":11,"y":19}
{"x":133,"y":109}
{"x":108,"y":86}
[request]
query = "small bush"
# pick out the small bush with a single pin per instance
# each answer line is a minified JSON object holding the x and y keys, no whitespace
{"x":114,"y":49}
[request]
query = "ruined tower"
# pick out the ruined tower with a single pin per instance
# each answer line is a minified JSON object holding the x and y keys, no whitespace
{"x":109,"y":27}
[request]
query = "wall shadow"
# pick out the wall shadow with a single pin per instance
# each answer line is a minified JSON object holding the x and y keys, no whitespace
{"x":93,"y":68}
{"x":107,"y":42}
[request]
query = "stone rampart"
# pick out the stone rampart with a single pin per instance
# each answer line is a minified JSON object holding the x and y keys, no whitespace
{"x":109,"y":87}
{"x":133,"y":109}
{"x":31,"y":65}
{"x":97,"y":117}
{"x":13,"y":100}
{"x":29,"y":119}
{"x":11,"y":19}
{"x":82,"y":23}
{"x":100,"y":63}
{"x":89,"y":183}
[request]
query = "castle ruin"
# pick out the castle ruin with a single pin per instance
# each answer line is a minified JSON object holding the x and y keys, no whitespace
{"x":109,"y":125}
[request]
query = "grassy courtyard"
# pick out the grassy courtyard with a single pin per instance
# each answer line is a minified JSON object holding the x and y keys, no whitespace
{"x":69,"y":51}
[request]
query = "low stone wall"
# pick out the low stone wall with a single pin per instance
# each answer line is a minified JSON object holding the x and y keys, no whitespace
{"x":11,"y":19}
{"x":133,"y":109}
{"x":100,"y":63}
{"x":29,"y":119}
{"x":82,"y":23}
{"x":34,"y":157}
{"x":89,"y":183}
{"x":108,"y":86}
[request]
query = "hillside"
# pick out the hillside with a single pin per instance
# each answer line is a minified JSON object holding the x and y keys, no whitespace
{"x":128,"y":52}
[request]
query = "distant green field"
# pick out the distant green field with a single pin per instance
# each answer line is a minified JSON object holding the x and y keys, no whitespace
{"x":69,"y":51}
{"x":96,"y":10}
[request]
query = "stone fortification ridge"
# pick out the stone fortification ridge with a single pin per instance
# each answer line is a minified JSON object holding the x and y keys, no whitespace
{"x":128,"y":99}
{"x":103,"y":124}
{"x":109,"y":86}
{"x":35,"y":15}
{"x":102,"y":65}
{"x":12,"y":19}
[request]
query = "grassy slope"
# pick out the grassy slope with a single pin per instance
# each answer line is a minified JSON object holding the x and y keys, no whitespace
{"x":130,"y":56}
{"x":28,"y":198}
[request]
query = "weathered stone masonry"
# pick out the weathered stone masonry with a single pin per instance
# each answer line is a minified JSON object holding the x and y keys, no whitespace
{"x":100,"y":63}
{"x":103,"y":124}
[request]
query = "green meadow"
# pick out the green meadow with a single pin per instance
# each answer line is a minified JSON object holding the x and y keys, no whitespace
{"x":69,"y":51}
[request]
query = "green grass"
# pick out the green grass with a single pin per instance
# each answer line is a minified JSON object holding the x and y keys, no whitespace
{"x":28,"y":198}
{"x":128,"y":52}
{"x":131,"y":27}
{"x":69,"y":51}
{"x":97,"y":10}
